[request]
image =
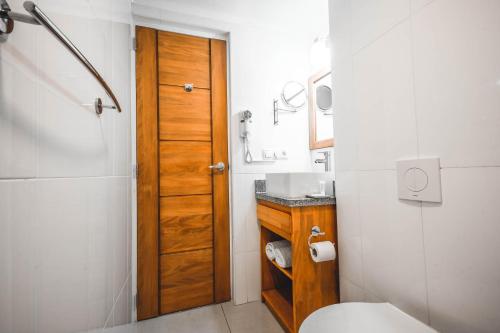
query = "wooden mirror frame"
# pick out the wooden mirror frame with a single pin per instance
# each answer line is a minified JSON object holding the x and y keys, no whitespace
{"x":313,"y":143}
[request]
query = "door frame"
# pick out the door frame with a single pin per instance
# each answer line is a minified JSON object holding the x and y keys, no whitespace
{"x":199,"y":32}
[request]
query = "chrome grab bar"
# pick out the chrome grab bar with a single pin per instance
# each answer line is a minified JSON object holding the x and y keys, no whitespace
{"x":38,"y":17}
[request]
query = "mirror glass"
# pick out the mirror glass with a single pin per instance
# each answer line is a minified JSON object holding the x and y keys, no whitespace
{"x":324,"y":97}
{"x":294,"y":94}
{"x":320,"y":110}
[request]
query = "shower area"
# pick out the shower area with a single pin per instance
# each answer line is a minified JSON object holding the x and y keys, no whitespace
{"x":65,"y":165}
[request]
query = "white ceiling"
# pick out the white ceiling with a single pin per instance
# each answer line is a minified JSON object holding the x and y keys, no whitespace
{"x":305,"y":15}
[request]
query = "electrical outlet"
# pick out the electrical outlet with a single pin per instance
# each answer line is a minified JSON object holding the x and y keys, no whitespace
{"x":281,"y":154}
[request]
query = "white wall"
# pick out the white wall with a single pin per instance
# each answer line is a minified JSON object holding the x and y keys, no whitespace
{"x":412,"y":79}
{"x":65,"y":173}
{"x":269,"y":44}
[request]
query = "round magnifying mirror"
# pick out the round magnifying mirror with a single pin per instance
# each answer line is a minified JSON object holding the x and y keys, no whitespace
{"x":324,"y":97}
{"x":294,"y":94}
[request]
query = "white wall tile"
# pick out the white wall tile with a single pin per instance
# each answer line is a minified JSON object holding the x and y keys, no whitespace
{"x":253,"y":276}
{"x":18,"y":108}
{"x":349,"y":227}
{"x":245,"y":228}
{"x":346,"y":117}
{"x":347,"y":197}
{"x":350,"y":254}
{"x":457,"y":76}
{"x":123,"y":306}
{"x":371,"y":19}
{"x":349,"y":292}
{"x":418,"y":4}
{"x":372,"y":298}
{"x":100,"y":260}
{"x":120,"y":83}
{"x":393,"y":254}
{"x":239,"y":288}
{"x":62,"y":207}
{"x":240,"y":209}
{"x":383,"y":84}
{"x":340,"y":29}
{"x":18,"y":258}
{"x":462,"y":247}
{"x":118,"y":214}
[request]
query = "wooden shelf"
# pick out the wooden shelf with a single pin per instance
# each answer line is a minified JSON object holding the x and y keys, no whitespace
{"x":280,"y":307}
{"x":286,"y":271}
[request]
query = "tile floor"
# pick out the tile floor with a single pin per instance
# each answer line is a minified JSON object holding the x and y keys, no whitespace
{"x":219,"y":318}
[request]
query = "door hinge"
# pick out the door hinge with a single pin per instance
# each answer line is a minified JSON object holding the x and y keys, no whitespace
{"x":135,"y":171}
{"x":136,"y":297}
{"x":134,"y":43}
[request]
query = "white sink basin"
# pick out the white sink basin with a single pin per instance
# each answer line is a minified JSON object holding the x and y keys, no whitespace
{"x":298,"y":184}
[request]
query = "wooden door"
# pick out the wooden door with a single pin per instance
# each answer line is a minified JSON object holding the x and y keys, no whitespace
{"x":183,"y":205}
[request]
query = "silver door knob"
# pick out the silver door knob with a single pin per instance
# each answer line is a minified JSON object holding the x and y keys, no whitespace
{"x":219,"y":166}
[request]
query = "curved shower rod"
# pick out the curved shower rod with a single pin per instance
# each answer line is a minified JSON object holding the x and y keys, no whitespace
{"x":7,"y":18}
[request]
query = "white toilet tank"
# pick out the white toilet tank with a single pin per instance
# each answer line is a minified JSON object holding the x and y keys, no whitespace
{"x":362,"y":318}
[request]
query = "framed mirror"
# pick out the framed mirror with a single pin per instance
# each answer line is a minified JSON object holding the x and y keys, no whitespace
{"x":320,"y":110}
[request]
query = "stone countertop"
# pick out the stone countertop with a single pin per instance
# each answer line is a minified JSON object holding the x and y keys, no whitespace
{"x":295,"y":202}
{"x":260,"y":194}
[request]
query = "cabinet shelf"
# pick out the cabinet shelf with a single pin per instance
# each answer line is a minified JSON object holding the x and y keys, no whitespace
{"x":286,"y":271}
{"x":280,"y":307}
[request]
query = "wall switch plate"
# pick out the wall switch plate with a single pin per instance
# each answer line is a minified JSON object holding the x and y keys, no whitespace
{"x":419,"y":179}
{"x":268,"y":154}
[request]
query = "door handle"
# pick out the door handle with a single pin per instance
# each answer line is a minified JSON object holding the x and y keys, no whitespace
{"x":218,"y":167}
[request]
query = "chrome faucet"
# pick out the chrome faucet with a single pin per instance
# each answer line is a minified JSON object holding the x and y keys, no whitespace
{"x":325,"y":160}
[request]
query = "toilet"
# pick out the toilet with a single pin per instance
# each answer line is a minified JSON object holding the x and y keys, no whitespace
{"x":362,"y":317}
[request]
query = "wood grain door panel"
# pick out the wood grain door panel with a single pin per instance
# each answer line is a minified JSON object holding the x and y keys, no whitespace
{"x":147,"y":183}
{"x":222,"y":262}
{"x":184,"y":168}
{"x":186,"y":280}
{"x":183,"y":59}
{"x":185,"y":115}
{"x":185,"y":223}
{"x":183,"y":245}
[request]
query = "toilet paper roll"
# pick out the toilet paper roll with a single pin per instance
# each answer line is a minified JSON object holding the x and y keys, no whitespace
{"x":271,"y":246}
{"x":323,"y":251}
{"x":284,"y":256}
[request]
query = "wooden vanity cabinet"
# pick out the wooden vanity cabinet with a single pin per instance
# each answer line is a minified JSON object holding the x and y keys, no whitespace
{"x":294,"y":293}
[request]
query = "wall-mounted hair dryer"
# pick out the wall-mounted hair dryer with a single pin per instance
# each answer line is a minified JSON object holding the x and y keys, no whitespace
{"x":245,"y":123}
{"x":245,"y":132}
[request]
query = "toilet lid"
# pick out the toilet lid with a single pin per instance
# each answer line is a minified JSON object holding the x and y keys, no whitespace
{"x":362,"y":317}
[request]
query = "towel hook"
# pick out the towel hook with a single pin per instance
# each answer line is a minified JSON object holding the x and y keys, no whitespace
{"x":98,"y":106}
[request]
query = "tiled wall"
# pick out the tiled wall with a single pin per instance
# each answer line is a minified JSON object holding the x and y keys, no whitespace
{"x":413,"y":79}
{"x":251,"y":91}
{"x":65,"y":173}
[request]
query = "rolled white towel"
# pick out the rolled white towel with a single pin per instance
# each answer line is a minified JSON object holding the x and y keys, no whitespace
{"x":284,"y":257}
{"x":271,"y":246}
